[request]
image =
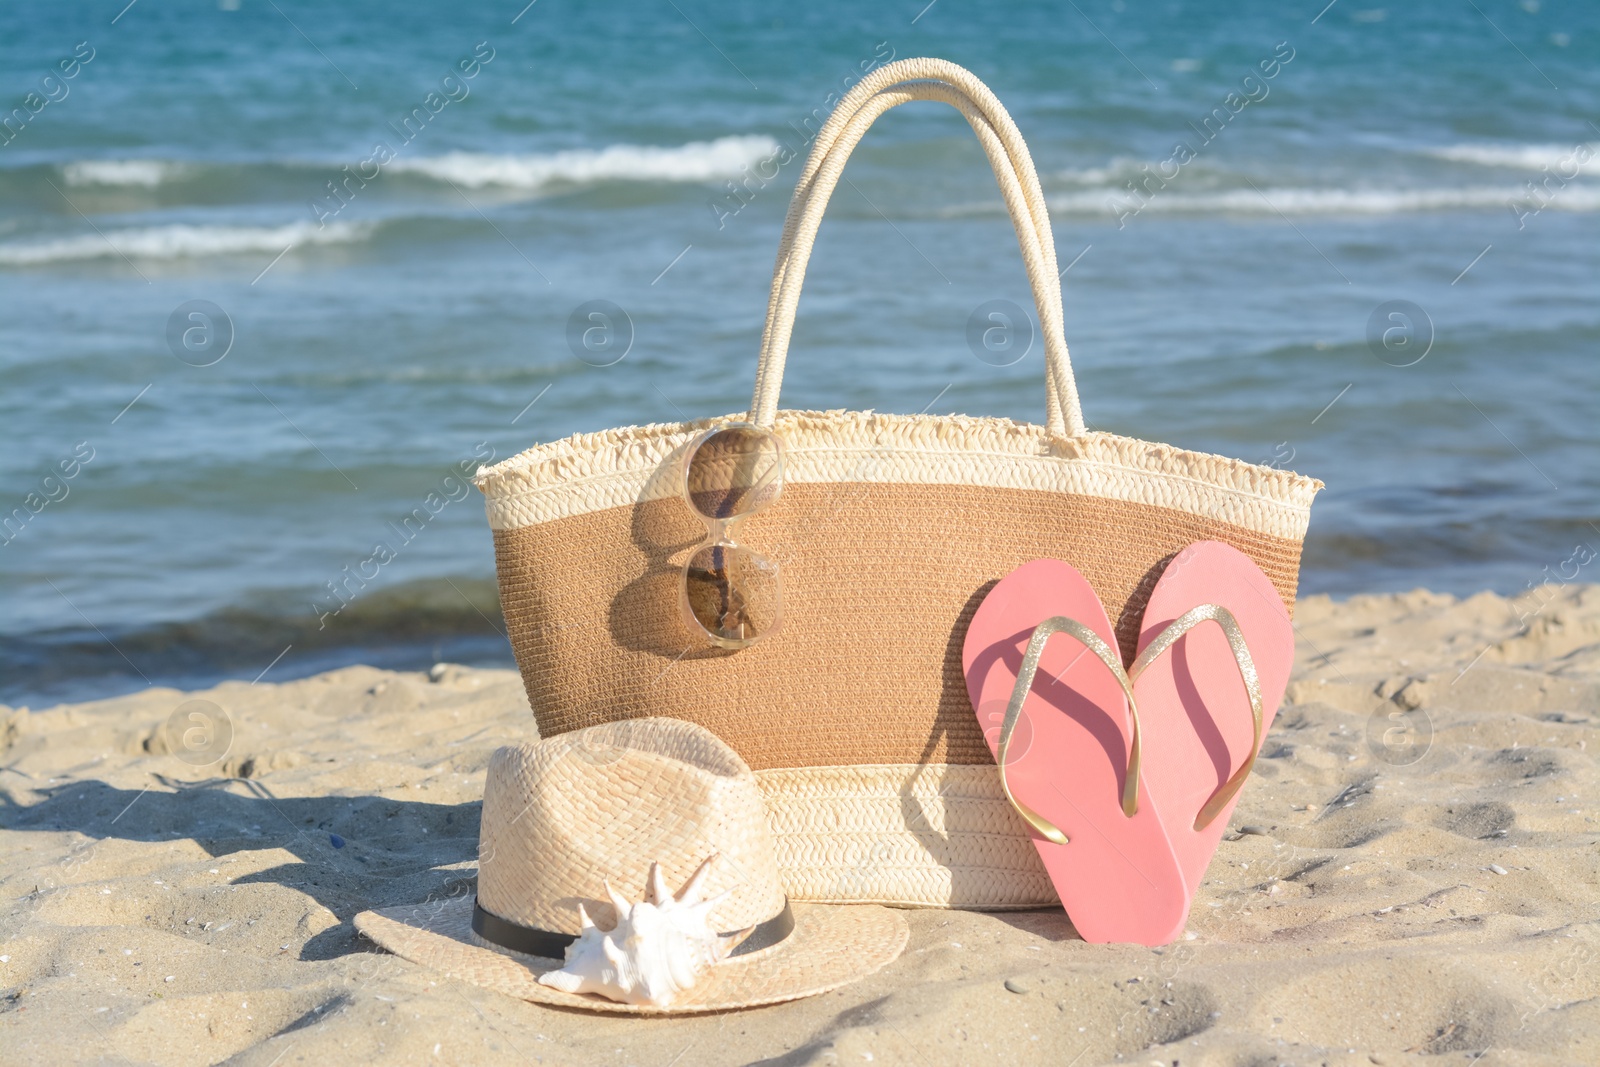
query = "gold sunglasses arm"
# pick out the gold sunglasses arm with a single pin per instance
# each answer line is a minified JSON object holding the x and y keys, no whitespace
{"x":1060,"y":624}
{"x":1247,"y":670}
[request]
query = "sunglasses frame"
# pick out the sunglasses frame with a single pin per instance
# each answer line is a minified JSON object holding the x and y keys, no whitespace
{"x":719,"y":533}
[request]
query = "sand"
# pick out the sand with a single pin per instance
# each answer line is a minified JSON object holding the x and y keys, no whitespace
{"x":1412,"y":876}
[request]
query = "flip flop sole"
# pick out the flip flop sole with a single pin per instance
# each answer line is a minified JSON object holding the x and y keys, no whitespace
{"x":1192,"y":699}
{"x":1117,"y":876}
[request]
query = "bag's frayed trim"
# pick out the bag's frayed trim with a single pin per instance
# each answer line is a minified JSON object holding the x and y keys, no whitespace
{"x":595,"y":471}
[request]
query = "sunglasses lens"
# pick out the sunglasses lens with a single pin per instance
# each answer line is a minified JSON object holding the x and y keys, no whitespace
{"x":734,"y":472}
{"x":733,"y":594}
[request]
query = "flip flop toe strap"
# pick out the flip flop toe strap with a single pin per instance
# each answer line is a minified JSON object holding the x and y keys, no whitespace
{"x":1060,"y":624}
{"x":1247,"y":670}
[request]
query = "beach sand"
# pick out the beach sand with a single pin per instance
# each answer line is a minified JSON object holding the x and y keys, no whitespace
{"x":1412,"y":876}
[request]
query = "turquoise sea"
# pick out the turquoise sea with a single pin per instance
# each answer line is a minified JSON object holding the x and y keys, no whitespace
{"x":273,"y":273}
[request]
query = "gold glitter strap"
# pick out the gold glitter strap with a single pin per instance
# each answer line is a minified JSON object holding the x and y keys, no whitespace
{"x":1247,"y":670}
{"x":1060,"y":624}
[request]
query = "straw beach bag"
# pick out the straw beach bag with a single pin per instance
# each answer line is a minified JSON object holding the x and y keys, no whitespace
{"x":889,"y":531}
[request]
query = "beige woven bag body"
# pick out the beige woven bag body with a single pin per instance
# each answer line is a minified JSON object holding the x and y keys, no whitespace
{"x":889,"y":531}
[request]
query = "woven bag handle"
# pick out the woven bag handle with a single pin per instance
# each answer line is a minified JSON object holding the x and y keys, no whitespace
{"x":890,"y":86}
{"x":1036,"y":253}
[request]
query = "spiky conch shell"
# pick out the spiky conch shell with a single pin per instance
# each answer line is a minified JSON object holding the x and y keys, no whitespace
{"x":658,"y":948}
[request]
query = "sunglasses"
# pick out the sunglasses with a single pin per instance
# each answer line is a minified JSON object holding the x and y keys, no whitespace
{"x":731,"y":594}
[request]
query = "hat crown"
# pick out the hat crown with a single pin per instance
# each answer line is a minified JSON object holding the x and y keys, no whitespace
{"x":565,"y":816}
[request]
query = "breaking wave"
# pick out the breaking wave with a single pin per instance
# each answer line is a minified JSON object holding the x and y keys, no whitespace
{"x":179,"y":242}
{"x":726,"y":157}
{"x":1518,"y":156}
{"x":138,"y":173}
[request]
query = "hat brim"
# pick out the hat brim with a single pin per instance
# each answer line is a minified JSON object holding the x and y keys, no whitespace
{"x":831,"y":946}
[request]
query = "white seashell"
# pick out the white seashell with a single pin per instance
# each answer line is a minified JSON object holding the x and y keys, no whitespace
{"x":658,"y":948}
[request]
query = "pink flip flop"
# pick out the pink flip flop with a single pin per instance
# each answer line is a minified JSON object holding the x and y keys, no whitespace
{"x":1070,"y":759}
{"x":1215,"y":650}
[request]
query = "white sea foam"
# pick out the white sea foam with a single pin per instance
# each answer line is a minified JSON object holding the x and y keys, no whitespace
{"x":698,"y":161}
{"x":143,"y":173}
{"x":1300,"y":201}
{"x":1122,"y":168}
{"x":179,"y":242}
{"x":1519,"y":156}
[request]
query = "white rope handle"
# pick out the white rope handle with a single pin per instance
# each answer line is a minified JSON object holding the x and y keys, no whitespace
{"x":1037,"y":256}
{"x":936,"y":71}
{"x":891,"y":86}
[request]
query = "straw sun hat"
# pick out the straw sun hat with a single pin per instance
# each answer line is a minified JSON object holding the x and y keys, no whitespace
{"x":565,"y":818}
